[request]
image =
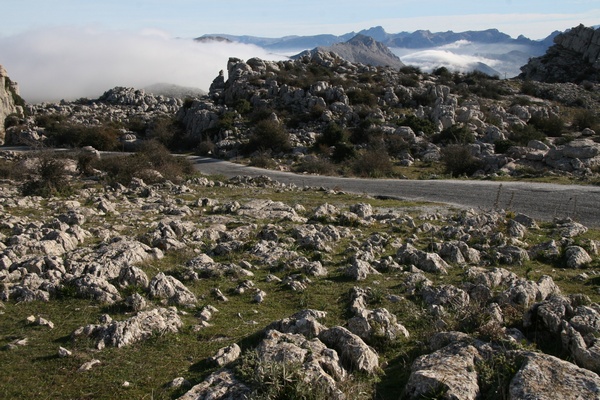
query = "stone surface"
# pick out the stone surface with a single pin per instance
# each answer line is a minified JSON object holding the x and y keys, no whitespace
{"x":546,"y":377}
{"x":137,"y":328}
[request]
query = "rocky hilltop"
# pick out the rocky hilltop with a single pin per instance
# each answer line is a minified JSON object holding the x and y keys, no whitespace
{"x":10,"y":101}
{"x":363,"y":50}
{"x":574,"y":57}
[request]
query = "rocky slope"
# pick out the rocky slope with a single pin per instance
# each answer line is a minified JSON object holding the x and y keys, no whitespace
{"x":363,"y":50}
{"x":574,"y":57}
{"x":9,"y":100}
{"x":508,"y":126}
{"x":221,"y":289}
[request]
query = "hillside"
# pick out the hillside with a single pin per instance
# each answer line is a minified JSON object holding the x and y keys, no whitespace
{"x":130,"y":275}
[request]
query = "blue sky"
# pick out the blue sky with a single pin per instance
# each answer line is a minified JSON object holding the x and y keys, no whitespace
{"x":274,"y":18}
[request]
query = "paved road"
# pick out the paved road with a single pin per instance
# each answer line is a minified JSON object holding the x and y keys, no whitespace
{"x":538,"y":200}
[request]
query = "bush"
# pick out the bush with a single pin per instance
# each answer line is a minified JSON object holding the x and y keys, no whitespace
{"x":522,"y":136}
{"x":105,"y":138}
{"x":152,"y":158}
{"x":585,"y":119}
{"x":278,"y":380}
{"x":49,"y":178}
{"x":10,"y":170}
{"x":316,"y":165}
{"x":418,"y":124}
{"x":332,"y":135}
{"x":343,"y":152}
{"x":502,"y":146}
{"x":458,"y":160}
{"x":454,"y":135}
{"x":372,"y":163}
{"x":167,"y":131}
{"x":268,"y":135}
{"x":263,"y":160}
{"x":205,"y":148}
{"x":362,"y":96}
{"x":552,"y":126}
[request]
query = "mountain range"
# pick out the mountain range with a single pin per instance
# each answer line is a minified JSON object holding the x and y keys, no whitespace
{"x":419,"y":39}
{"x":489,"y":50}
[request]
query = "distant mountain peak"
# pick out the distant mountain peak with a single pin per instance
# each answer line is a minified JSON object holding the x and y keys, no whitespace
{"x":362,"y":49}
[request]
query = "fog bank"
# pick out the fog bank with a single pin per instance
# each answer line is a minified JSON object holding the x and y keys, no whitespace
{"x":70,"y":63}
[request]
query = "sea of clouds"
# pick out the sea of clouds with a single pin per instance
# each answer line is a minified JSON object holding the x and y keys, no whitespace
{"x":465,"y":56}
{"x":71,"y":62}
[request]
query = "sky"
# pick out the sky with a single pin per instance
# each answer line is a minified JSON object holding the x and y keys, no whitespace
{"x":73,"y":48}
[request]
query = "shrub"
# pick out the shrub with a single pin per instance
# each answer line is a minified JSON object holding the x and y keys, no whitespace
{"x":495,"y":372}
{"x":49,"y":178}
{"x":278,"y":380}
{"x":332,"y":135}
{"x":167,"y":131}
{"x":268,"y":135}
{"x":458,"y":160}
{"x":343,"y":152}
{"x":454,"y":135}
{"x":263,"y":160}
{"x":529,"y":88}
{"x":362,"y":96}
{"x":205,"y":148}
{"x":502,"y":146}
{"x":152,"y":156}
{"x":373,"y":163}
{"x":10,"y":170}
{"x":585,"y":119}
{"x":552,"y":126}
{"x":523,"y":135}
{"x":103,"y":137}
{"x":316,"y":165}
{"x":418,"y":124}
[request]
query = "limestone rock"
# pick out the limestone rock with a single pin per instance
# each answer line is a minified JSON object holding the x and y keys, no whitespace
{"x":9,"y":91}
{"x":451,"y":369}
{"x":428,"y":262}
{"x":220,"y":385}
{"x":168,"y":287}
{"x":305,"y":322}
{"x":137,"y":328}
{"x":577,"y":257}
{"x":355,"y":354}
{"x":545,"y":377}
{"x":359,"y":270}
{"x":226,"y":355}
{"x":89,"y":365}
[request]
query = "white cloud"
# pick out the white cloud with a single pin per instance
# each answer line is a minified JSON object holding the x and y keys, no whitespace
{"x":68,"y":63}
{"x":431,"y":59}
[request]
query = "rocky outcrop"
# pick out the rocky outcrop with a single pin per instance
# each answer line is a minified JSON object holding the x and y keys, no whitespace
{"x":139,"y":327}
{"x":574,"y":57}
{"x":9,"y":97}
{"x":361,"y":49}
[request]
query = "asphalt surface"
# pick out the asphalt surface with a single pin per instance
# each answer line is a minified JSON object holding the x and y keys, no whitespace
{"x":538,"y":200}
